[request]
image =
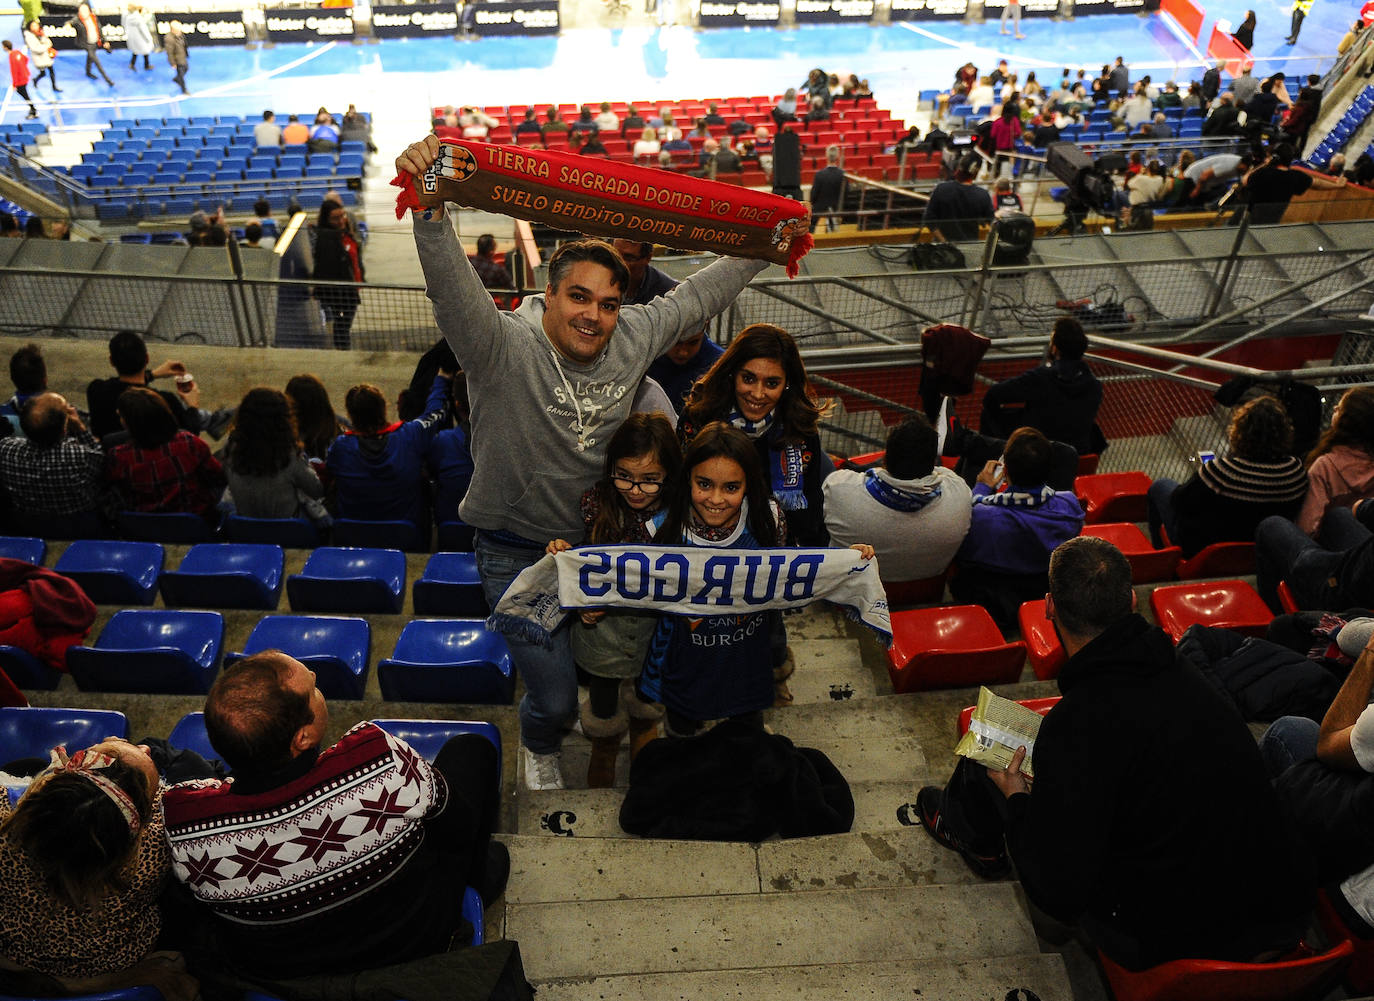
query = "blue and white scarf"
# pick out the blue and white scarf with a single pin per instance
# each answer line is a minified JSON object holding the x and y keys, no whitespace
{"x":1013,"y":497}
{"x":897,"y":498}
{"x":787,"y":462}
{"x":690,"y":581}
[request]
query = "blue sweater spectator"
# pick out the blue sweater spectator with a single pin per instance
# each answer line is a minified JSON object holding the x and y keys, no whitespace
{"x":683,"y":364}
{"x":451,"y":460}
{"x":1005,"y":557}
{"x":379,"y":467}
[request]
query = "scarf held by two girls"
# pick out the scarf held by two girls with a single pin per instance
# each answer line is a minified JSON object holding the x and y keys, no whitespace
{"x":689,"y":581}
{"x":612,"y":200}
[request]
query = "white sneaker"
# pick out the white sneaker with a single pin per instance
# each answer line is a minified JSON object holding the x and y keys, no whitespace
{"x":542,"y":771}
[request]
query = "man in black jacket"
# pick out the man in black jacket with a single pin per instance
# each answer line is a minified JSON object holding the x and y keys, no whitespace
{"x":1151,"y":823}
{"x":1060,"y":399}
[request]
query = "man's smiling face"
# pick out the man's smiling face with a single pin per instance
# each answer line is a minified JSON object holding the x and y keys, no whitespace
{"x":581,"y":313}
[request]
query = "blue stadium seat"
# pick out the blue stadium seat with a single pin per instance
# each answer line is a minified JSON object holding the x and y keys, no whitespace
{"x":31,"y":731}
{"x":289,"y":533}
{"x":379,"y":535}
{"x":455,"y":537}
{"x":353,"y":146}
{"x":167,"y":237}
{"x":199,"y":176}
{"x":226,"y":575}
{"x":206,"y":120}
{"x":185,"y":156}
{"x":293,"y":173}
{"x":112,"y":210}
{"x":113,"y":572}
{"x":18,"y":547}
{"x":105,"y":146}
{"x":163,"y":144}
{"x":189,"y":734}
{"x":291,"y":160}
{"x":338,"y":650}
{"x":151,"y":650}
{"x":178,"y":207}
{"x":173,"y":526}
{"x":200,"y":132}
{"x":296,"y":149}
{"x":143,"y":134}
{"x":257,"y":174}
{"x":337,"y":579}
{"x":450,"y":585}
{"x":106,"y":180}
{"x":427,"y":736}
{"x":83,"y":172}
{"x":176,"y":122}
{"x":124,"y":123}
{"x":27,"y":671}
{"x":448,"y":660}
{"x":319,"y":170}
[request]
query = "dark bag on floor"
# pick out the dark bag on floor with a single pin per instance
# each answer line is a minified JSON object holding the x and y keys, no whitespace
{"x":936,"y":257}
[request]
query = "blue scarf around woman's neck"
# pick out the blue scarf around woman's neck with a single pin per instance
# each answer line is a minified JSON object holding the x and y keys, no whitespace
{"x":786,"y":462}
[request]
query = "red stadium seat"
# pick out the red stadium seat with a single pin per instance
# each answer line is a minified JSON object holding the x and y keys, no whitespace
{"x":1041,"y":706}
{"x":1087,"y":464}
{"x":1043,"y":649}
{"x":1223,"y":604}
{"x":952,"y":646}
{"x":1287,"y":602}
{"x":1307,"y":974}
{"x":868,"y":458}
{"x":1220,"y":559}
{"x":1360,"y":976}
{"x":1148,"y":564}
{"x":1112,"y":496}
{"x":926,"y":591}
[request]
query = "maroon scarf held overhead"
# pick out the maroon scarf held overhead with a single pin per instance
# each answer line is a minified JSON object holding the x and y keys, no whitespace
{"x":612,"y":200}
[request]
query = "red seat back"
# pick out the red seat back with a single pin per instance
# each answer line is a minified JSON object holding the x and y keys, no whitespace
{"x":1113,"y":496}
{"x":952,"y":646}
{"x":1147,"y":563}
{"x":1043,"y":648}
{"x":1220,"y":559}
{"x":1222,"y":604}
{"x":1041,"y":706}
{"x":1307,"y":974}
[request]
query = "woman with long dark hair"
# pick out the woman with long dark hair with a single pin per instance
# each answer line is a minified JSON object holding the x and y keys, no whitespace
{"x":317,"y":424}
{"x":338,"y":258}
{"x":269,"y":475}
{"x":1340,"y":468}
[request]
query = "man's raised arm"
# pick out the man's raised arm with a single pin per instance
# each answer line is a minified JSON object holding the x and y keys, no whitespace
{"x":463,"y":307}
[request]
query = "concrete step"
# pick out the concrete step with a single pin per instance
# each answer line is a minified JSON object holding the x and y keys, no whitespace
{"x":829,"y":670}
{"x":549,"y":870}
{"x":975,"y":980}
{"x":595,"y":813}
{"x":608,"y":938}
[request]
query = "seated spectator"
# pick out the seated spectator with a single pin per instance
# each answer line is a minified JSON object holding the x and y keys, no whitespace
{"x":494,"y":274}
{"x":957,"y":207}
{"x":593,"y":146}
{"x":1160,"y":127}
{"x":378,"y":467}
{"x":29,"y":373}
{"x":1138,"y":108}
{"x":296,"y":133}
{"x":55,"y":468}
{"x":1223,"y":120}
{"x":1227,"y":498}
{"x":262,"y":208}
{"x":445,"y":131}
{"x":607,"y":120}
{"x":646,"y":281}
{"x":1059,"y":399}
{"x":1340,"y":469}
{"x":716,"y":158}
{"x":530,"y":126}
{"x":1338,"y":572}
{"x":1004,"y":558}
{"x":129,"y":356}
{"x":584,"y":124}
{"x":316,"y":422}
{"x":252,"y":236}
{"x":786,"y":108}
{"x":475,"y":123}
{"x":161,"y":468}
{"x":323,"y":116}
{"x":553,"y":123}
{"x":647,"y":145}
{"x":1260,"y":109}
{"x":324,"y":137}
{"x":678,"y":368}
{"x":1212,"y":175}
{"x":356,"y":128}
{"x":1169,"y":97}
{"x":700,"y":130}
{"x":1322,"y":773}
{"x":632,"y":123}
{"x":1168,"y":866}
{"x":1007,"y":201}
{"x":383,"y":841}
{"x":1141,"y":192}
{"x":79,"y":914}
{"x":1271,"y":185}
{"x":267,"y":132}
{"x":713,"y":116}
{"x":668,"y":131}
{"x":917,"y":510}
{"x":818,"y":110}
{"x":269,"y":476}
{"x":450,"y":455}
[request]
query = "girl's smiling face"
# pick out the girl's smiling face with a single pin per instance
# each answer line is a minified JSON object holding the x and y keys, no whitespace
{"x":639,"y":480}
{"x":717,"y":491}
{"x":759,"y":384}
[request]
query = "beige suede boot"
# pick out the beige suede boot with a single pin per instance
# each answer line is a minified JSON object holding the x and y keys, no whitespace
{"x":605,"y":735}
{"x":644,"y":717}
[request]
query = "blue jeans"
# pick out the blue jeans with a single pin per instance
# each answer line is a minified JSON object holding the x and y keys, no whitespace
{"x":1160,"y":498}
{"x":550,"y":678}
{"x":1288,"y":740}
{"x":1284,"y":552}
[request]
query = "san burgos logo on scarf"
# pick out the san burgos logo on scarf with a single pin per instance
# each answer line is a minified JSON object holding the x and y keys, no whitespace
{"x":690,"y":581}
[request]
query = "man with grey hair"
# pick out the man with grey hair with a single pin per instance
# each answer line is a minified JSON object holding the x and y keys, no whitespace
{"x":549,"y":385}
{"x":1150,"y":822}
{"x":827,"y":189}
{"x":55,"y":468}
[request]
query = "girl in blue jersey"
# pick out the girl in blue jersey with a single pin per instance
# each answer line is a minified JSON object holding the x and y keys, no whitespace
{"x":717,"y":666}
{"x":625,"y":506}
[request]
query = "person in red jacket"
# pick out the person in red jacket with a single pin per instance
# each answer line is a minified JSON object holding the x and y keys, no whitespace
{"x":19,"y":75}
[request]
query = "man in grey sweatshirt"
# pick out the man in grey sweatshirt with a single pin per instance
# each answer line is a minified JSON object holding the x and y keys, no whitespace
{"x":549,"y":385}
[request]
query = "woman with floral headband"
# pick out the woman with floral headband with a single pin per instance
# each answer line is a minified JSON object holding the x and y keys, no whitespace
{"x":83,"y":860}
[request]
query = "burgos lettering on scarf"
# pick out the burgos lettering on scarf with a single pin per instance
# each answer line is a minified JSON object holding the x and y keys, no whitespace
{"x":690,"y":581}
{"x":604,"y":198}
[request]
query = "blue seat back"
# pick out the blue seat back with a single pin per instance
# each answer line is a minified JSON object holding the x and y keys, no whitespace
{"x":337,"y":649}
{"x":151,"y":650}
{"x":26,"y":670}
{"x":32,"y":731}
{"x":379,"y":535}
{"x":175,"y":526}
{"x":13,"y":547}
{"x":337,"y":579}
{"x":226,"y":575}
{"x":448,"y":660}
{"x":189,"y":733}
{"x":289,"y":533}
{"x":114,"y":572}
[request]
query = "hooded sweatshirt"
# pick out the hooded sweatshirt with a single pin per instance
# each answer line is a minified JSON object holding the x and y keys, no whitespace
{"x":1336,"y":479}
{"x":915,"y":525}
{"x":1060,"y":400}
{"x":381,"y":476}
{"x":541,"y":423}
